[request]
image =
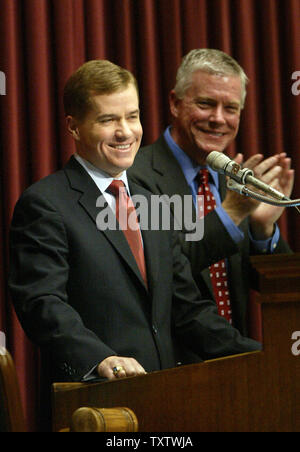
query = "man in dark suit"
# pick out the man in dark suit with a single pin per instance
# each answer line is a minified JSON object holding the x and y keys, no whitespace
{"x":76,"y":286}
{"x":206,"y":104}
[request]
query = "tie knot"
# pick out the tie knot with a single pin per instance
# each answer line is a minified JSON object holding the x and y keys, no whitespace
{"x":203,"y":176}
{"x":115,"y":187}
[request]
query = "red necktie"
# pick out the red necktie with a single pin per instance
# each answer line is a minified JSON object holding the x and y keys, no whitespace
{"x":128,"y":221}
{"x":218,"y":272}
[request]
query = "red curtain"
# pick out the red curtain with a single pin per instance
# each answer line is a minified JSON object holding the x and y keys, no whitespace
{"x":43,"y":41}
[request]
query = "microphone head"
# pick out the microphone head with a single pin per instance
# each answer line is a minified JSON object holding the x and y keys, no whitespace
{"x":217,"y":160}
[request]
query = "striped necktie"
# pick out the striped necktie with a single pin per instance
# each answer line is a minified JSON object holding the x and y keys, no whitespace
{"x":128,"y":221}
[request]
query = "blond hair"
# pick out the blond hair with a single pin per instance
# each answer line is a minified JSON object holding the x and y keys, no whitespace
{"x":92,"y":78}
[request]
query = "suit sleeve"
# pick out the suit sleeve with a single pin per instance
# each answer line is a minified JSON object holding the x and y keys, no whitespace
{"x":196,"y":321}
{"x":38,"y":283}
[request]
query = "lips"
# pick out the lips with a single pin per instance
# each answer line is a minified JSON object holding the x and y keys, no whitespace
{"x":213,"y":133}
{"x":121,"y":147}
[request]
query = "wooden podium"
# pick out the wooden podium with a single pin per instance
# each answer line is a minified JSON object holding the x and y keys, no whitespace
{"x":258,"y":391}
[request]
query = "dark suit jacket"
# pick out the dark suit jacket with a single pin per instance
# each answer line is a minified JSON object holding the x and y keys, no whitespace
{"x":79,"y":295}
{"x":156,"y":169}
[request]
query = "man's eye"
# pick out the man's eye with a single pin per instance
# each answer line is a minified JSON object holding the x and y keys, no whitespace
{"x":204,"y":104}
{"x":105,"y":121}
{"x":232,"y":108}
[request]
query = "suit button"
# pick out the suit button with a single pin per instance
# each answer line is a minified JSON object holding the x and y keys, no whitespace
{"x":154,"y":329}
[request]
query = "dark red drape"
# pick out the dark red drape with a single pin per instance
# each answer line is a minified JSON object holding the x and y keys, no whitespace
{"x":43,"y":41}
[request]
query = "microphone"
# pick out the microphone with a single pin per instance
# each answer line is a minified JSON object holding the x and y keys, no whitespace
{"x":224,"y":165}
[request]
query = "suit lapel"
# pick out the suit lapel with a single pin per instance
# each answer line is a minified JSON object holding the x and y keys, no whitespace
{"x":150,"y":242}
{"x":173,"y":181}
{"x":80,"y":181}
{"x":165,"y":164}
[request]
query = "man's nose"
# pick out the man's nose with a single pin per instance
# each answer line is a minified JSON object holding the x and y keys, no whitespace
{"x":123,"y":129}
{"x":217,"y":115}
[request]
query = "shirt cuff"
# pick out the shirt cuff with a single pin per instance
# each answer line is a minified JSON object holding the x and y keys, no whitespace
{"x":266,"y":246}
{"x":91,"y":375}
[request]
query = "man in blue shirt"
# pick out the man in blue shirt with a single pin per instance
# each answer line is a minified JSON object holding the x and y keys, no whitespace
{"x":206,"y":105}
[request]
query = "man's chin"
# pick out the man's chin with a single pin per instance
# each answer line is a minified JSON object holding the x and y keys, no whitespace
{"x":200,"y":155}
{"x":124,"y":165}
{"x":208,"y":148}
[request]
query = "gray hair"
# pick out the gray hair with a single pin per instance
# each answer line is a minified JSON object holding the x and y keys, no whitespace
{"x":209,"y":60}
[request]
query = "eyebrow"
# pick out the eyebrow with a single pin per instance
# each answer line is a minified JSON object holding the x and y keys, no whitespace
{"x":211,"y":100}
{"x":134,"y":112}
{"x":106,"y":116}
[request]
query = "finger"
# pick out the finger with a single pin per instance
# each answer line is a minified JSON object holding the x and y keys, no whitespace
{"x":286,"y":182}
{"x":126,"y":367}
{"x":119,"y":372}
{"x":239,"y":158}
{"x":105,"y":371}
{"x":271,"y":174}
{"x":282,"y":156}
{"x":253,"y":161}
{"x":133,"y":367}
{"x":138,"y":369}
{"x":266,"y":165}
{"x":287,"y":174}
{"x":275,"y":183}
{"x":106,"y":367}
{"x":286,"y":163}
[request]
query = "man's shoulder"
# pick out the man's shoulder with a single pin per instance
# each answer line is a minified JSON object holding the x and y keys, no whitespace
{"x":46,"y":184}
{"x":52,"y":187}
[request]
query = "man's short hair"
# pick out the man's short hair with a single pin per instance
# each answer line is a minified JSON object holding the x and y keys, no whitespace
{"x":212,"y":61}
{"x":93,"y":78}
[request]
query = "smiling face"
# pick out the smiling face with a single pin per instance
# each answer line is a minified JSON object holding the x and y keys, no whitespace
{"x":110,"y":134}
{"x":207,"y":117}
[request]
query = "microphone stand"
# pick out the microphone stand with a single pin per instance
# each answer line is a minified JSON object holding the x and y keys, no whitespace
{"x":243,"y":190}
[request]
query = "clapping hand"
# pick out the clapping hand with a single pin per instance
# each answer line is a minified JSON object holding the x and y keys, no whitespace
{"x":275,"y":171}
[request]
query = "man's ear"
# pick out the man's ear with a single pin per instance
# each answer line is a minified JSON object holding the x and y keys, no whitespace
{"x":72,"y":125}
{"x":174,"y":102}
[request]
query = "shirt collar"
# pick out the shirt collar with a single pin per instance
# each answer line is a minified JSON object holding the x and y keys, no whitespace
{"x":189,"y":168}
{"x":100,"y":177}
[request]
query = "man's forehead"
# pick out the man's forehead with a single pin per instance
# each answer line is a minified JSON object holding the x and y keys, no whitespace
{"x":207,"y":84}
{"x":125,"y":99}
